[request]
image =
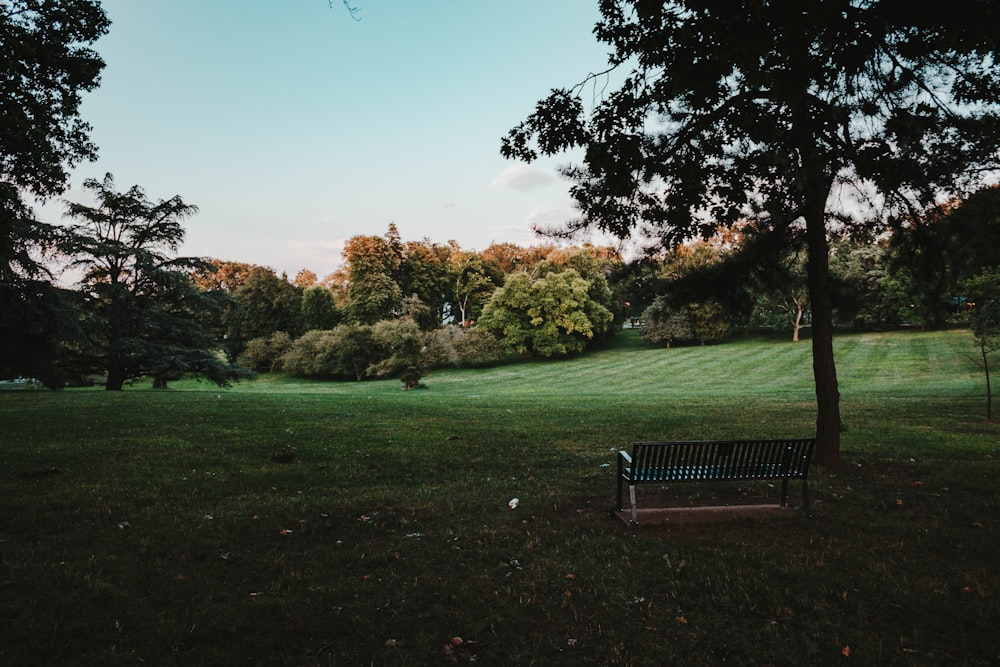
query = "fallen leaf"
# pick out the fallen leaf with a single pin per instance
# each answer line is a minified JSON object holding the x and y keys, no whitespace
{"x":681,"y":620}
{"x":846,"y":651}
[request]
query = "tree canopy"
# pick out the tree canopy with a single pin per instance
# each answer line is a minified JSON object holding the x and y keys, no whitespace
{"x":717,"y":110}
{"x":47,"y":64}
{"x":146,"y":316}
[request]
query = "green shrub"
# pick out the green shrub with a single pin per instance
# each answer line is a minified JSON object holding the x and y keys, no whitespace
{"x":265,"y":354}
{"x":464,"y":347}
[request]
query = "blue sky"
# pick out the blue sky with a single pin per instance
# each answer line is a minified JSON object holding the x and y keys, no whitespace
{"x":293,"y":126}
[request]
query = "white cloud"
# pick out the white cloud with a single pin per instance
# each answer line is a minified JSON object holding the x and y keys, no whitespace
{"x":549,"y":215}
{"x":521,"y":176}
{"x":323,"y":255}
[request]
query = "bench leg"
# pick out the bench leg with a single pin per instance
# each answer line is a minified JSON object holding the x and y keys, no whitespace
{"x":631,"y":499}
{"x":805,"y":498}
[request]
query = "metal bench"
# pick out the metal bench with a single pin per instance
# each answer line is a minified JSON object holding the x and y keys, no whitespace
{"x":714,"y":460}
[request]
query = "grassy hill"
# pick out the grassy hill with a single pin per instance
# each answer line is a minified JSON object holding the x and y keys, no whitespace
{"x":298,"y":522}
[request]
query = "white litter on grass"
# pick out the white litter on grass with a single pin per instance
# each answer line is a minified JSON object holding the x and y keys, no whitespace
{"x":514,"y":502}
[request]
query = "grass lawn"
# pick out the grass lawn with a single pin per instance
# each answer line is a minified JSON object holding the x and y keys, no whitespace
{"x":287,"y":522}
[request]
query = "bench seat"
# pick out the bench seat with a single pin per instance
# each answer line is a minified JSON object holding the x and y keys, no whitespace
{"x":715,"y":460}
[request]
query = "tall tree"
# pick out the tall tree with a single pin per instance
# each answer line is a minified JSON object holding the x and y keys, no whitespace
{"x":149,"y":317}
{"x":265,"y":303}
{"x":475,"y":281}
{"x":47,"y":64}
{"x":720,"y":109}
{"x":425,"y":271}
{"x":373,"y":266}
{"x":549,"y":316}
{"x":319,"y":309}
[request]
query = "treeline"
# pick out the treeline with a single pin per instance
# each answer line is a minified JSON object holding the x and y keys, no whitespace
{"x":926,"y":271}
{"x":399,"y":308}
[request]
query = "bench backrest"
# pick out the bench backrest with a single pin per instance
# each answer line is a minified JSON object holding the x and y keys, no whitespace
{"x":721,"y":459}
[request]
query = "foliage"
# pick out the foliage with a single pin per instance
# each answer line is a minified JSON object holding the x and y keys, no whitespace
{"x":217,"y":274}
{"x":427,"y":273}
{"x":664,"y":324}
{"x":406,"y":344}
{"x":347,"y":351}
{"x":464,"y":347}
{"x":476,"y":278}
{"x":373,"y":264}
{"x":549,"y":316}
{"x":266,"y":354}
{"x":47,"y":65}
{"x":146,"y":316}
{"x":668,"y":323}
{"x":761,"y":111}
{"x":865,"y":293}
{"x":319,"y":309}
{"x":264,"y":303}
{"x":933,"y":253}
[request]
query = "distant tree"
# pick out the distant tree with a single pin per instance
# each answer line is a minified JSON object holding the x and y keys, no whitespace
{"x":46,"y":66}
{"x":475,"y":281}
{"x":549,"y":316}
{"x":984,"y":291}
{"x":511,"y":257}
{"x":933,"y":252}
{"x":150,"y":319}
{"x":789,"y":290}
{"x":425,"y":271}
{"x":664,"y":323}
{"x":865,"y":293}
{"x":35,"y":316}
{"x":374,"y":298}
{"x":373,"y":267}
{"x":919,"y":261}
{"x":265,"y":303}
{"x":305,"y":279}
{"x":217,"y":274}
{"x":711,"y":112}
{"x":586,"y":262}
{"x":633,"y":286}
{"x":319,"y":310}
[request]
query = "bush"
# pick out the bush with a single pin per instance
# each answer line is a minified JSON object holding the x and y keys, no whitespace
{"x":464,"y":347}
{"x":344,"y":352}
{"x":693,"y":323}
{"x":265,"y":354}
{"x":407,"y":348}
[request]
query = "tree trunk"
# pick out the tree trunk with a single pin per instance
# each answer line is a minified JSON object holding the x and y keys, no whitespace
{"x":116,"y":378}
{"x":824,"y":370}
{"x":989,"y":393}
